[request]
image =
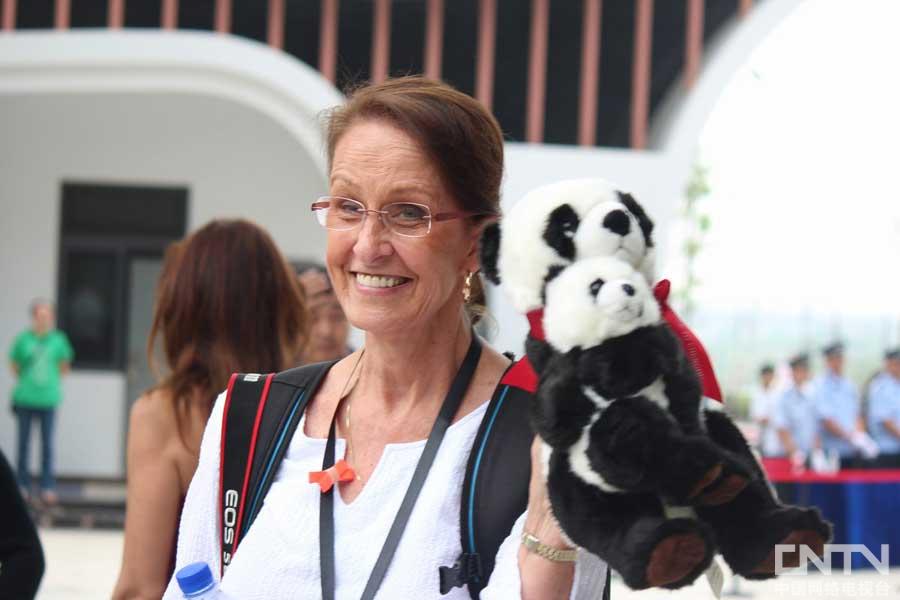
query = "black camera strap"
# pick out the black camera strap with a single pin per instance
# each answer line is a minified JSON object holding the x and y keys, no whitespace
{"x":326,"y":503}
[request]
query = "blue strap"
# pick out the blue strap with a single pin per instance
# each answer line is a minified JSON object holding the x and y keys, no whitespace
{"x":299,"y":400}
{"x":478,"y":457}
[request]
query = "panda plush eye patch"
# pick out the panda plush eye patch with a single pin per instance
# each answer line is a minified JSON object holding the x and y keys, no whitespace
{"x":595,"y":287}
{"x":562,"y":224}
{"x":617,"y":221}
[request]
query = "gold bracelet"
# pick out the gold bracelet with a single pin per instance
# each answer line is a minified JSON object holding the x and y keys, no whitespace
{"x":536,"y":546}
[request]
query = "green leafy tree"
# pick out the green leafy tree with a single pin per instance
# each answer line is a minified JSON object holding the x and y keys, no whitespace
{"x":697,"y":225}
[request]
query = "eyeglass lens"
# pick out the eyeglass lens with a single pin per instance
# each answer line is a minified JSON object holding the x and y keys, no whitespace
{"x":405,"y":218}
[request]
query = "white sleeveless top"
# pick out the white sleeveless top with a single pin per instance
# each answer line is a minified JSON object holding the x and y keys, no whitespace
{"x":279,"y":558}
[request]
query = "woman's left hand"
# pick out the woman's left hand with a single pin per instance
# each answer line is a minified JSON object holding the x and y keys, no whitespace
{"x":543,"y":578}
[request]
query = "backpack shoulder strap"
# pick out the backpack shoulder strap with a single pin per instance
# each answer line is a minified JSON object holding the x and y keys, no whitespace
{"x":260,"y":417}
{"x":495,"y":487}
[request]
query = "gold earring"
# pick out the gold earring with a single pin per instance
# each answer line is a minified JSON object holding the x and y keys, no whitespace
{"x":467,"y":288}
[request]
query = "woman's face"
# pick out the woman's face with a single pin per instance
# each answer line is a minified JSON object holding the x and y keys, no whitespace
{"x":386,"y":282}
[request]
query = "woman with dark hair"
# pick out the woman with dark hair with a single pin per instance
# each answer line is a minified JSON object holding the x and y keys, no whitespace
{"x":226,"y":301}
{"x":414,"y":173}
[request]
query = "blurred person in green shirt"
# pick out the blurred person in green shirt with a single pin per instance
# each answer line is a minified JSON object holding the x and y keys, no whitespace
{"x":40,"y":355}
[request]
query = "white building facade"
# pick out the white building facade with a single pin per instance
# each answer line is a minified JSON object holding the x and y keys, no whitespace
{"x":231,"y":127}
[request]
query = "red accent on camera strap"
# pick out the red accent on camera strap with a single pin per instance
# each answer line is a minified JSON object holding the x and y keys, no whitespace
{"x":259,"y":412}
{"x":237,"y":435}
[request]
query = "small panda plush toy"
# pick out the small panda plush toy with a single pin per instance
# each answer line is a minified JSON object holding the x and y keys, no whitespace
{"x":548,"y":232}
{"x":618,"y":478}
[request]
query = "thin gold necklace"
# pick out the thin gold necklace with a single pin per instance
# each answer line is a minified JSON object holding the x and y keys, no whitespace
{"x":344,"y":396}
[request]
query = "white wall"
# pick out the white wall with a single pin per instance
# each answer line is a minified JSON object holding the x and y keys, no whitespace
{"x":235,"y":161}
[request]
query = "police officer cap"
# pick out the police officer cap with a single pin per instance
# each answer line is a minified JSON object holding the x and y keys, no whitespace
{"x":833,"y":349}
{"x":892,"y":354}
{"x":800,"y":360}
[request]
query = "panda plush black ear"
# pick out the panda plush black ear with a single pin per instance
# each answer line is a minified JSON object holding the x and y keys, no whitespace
{"x":552,"y":272}
{"x":638,"y":211}
{"x":490,"y":252}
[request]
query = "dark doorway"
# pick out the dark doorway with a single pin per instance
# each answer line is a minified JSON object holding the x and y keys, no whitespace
{"x":112,"y":242}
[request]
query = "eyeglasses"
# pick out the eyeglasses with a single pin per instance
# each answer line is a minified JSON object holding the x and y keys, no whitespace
{"x":403,"y":218}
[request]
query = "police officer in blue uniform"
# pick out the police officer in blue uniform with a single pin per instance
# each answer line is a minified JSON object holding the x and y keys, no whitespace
{"x":838,"y":407}
{"x":795,"y":418}
{"x":884,"y":410}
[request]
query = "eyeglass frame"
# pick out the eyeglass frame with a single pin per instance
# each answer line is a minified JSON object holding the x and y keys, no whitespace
{"x":432,"y":217}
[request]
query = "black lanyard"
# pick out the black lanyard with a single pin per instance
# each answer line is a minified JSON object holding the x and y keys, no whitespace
{"x":326,"y":503}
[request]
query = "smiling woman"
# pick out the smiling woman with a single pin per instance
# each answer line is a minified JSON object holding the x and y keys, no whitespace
{"x":423,"y":271}
{"x":447,"y":153}
{"x":415,"y":172}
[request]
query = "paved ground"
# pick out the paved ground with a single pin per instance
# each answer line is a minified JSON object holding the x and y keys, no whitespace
{"x":81,"y":563}
{"x":863,"y":585}
{"x":85,"y":564}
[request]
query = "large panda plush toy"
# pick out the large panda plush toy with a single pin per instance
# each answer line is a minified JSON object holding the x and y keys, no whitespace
{"x":550,"y":228}
{"x":625,"y":464}
{"x":547,"y":231}
{"x":554,"y":225}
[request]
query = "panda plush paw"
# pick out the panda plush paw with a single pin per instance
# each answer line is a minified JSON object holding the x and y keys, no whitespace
{"x":635,"y":446}
{"x":752,"y":554}
{"x":672,"y":554}
{"x":675,"y":559}
{"x":697,"y":472}
{"x":560,"y":410}
{"x":629,"y":444}
{"x":749,"y":527}
{"x":731,"y":480}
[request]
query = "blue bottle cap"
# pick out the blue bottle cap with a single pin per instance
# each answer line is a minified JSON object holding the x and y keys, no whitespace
{"x":194,"y":579}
